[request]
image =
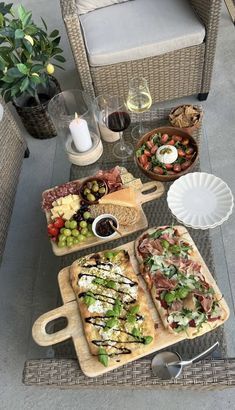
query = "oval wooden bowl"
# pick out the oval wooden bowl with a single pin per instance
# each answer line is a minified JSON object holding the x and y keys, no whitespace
{"x":85,"y":182}
{"x":170,"y":131}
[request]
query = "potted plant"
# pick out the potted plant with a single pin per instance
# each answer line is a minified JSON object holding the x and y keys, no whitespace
{"x":26,"y":52}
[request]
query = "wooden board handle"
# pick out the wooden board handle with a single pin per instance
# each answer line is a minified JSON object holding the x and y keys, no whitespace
{"x":69,"y":311}
{"x":158,"y":191}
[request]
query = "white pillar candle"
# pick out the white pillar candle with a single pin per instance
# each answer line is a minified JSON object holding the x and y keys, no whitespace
{"x":80,"y":134}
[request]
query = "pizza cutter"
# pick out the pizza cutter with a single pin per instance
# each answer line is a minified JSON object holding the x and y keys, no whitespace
{"x":168,"y":365}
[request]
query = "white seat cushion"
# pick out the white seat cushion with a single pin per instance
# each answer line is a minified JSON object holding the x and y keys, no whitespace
{"x":139,"y":29}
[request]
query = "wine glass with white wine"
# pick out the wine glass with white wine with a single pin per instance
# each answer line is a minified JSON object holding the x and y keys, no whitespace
{"x":138,"y":100}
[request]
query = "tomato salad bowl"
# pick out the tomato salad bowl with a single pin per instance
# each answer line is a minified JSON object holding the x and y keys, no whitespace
{"x":166,"y":139}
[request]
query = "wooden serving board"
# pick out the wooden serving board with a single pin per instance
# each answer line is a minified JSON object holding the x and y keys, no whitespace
{"x":143,"y":196}
{"x":89,"y":363}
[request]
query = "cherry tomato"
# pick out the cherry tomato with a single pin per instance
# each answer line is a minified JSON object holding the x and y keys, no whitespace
{"x":181,"y":153}
{"x":177,"y":167}
{"x":171,"y":142}
{"x":147,"y":166}
{"x":177,"y":138}
{"x":185,"y":141}
{"x":143,"y":159}
{"x":147,"y":153}
{"x":52,"y":230}
{"x":154,"y":149}
{"x":59,"y":222}
{"x":170,"y":173}
{"x":185,"y":165}
{"x":164,"y":138}
{"x":158,"y":170}
{"x":168,"y":166}
{"x":188,"y":156}
{"x":149,"y":144}
{"x":189,"y":151}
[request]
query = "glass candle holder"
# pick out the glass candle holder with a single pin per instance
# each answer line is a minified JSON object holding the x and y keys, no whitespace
{"x":100,"y":104}
{"x":72,"y":113}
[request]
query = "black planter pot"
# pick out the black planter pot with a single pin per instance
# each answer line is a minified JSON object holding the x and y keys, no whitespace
{"x":36,"y":119}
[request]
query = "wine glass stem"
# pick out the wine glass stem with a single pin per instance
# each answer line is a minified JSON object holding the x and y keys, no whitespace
{"x":141,"y":130}
{"x":122,"y":145}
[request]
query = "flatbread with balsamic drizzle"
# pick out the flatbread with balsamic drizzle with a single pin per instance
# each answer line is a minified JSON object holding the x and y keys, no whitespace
{"x":113,"y":306}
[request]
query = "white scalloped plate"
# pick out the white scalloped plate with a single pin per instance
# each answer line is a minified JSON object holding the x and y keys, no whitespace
{"x":200,"y":200}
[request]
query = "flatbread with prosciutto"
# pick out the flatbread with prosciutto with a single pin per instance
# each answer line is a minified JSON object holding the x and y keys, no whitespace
{"x":113,"y":306}
{"x":182,"y":288}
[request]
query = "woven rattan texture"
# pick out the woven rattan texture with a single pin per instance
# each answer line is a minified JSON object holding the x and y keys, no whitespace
{"x":172,"y":75}
{"x":37,"y":120}
{"x":12,"y":152}
{"x":205,"y":375}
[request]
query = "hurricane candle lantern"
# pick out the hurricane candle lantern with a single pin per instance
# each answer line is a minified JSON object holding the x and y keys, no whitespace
{"x":72,"y":113}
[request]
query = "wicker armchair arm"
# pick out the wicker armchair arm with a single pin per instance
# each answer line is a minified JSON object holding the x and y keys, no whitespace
{"x":209,"y":13}
{"x":75,"y":35}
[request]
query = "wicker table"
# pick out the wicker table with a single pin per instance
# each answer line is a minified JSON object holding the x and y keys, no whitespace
{"x":63,"y":369}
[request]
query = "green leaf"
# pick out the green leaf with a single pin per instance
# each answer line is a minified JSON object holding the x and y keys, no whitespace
{"x":44,"y":23}
{"x":28,"y":46}
{"x":131,"y":319}
{"x":22,"y":68}
{"x":5,"y":8}
{"x":58,"y":66}
{"x":111,"y":284}
{"x":24,"y":84}
{"x":56,"y":41}
{"x":54,"y":33}
{"x":89,"y":300}
{"x":112,"y":322}
{"x":110,"y":313}
{"x":7,"y":79}
{"x":147,"y":340}
{"x":22,"y":12}
{"x":27,"y":18}
{"x":135,"y":309}
{"x":1,"y":19}
{"x":136,"y":332}
{"x":7,"y":96}
{"x":19,"y":33}
{"x":103,"y":356}
{"x":36,"y":68}
{"x":14,"y":72}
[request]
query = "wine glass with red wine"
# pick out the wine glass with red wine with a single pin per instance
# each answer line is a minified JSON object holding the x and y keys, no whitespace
{"x":117,"y":119}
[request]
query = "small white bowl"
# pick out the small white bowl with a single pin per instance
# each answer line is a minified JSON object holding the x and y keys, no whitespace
{"x":103,"y":216}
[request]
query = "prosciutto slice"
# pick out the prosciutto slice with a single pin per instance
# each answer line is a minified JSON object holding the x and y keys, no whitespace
{"x":150,"y":246}
{"x":205,"y":300}
{"x":112,"y":178}
{"x":163,"y":283}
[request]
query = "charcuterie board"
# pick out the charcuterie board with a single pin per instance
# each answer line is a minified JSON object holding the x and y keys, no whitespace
{"x":149,"y":191}
{"x":89,"y":363}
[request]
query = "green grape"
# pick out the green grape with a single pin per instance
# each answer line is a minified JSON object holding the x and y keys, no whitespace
{"x":81,"y":237}
{"x":102,"y":190}
{"x":89,"y":234}
{"x":76,"y":241}
{"x":67,"y":232}
{"x":83,"y":224}
{"x":95,"y":188}
{"x":89,"y":227}
{"x":84,"y":231}
{"x":91,"y":197}
{"x":62,"y":230}
{"x":75,"y":232}
{"x":69,"y":241}
{"x":86,"y":215}
{"x":73,"y":224}
{"x":61,"y":244}
{"x":67,"y":224}
{"x":62,"y":238}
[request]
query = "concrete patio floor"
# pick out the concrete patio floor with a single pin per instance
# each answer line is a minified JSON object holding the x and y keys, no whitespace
{"x":23,"y":287}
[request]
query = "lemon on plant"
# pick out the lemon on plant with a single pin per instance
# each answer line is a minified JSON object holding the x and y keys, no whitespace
{"x":29,"y":39}
{"x":50,"y":68}
{"x":35,"y":74}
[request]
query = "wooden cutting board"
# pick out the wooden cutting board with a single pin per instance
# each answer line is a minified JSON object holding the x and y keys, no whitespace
{"x":143,"y":196}
{"x":89,"y":363}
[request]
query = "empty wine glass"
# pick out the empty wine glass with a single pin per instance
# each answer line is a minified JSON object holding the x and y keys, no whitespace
{"x":117,"y":119}
{"x":138,"y":100}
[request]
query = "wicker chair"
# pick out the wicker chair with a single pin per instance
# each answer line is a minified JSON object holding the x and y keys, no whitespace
{"x":171,"y":75}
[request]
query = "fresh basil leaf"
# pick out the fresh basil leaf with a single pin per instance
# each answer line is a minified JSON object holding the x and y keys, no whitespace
{"x":89,"y":300}
{"x":103,"y":356}
{"x":131,"y":319}
{"x":111,"y":284}
{"x":136,"y":332}
{"x":135,"y":309}
{"x":112,"y":322}
{"x":148,"y":339}
{"x":110,"y":313}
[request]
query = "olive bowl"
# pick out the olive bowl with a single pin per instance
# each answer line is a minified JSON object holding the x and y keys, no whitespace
{"x":97,"y":195}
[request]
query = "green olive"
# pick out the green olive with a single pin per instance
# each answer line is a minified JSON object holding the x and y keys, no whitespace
{"x":102,"y":190}
{"x":86,"y":191}
{"x":91,"y":197}
{"x":95,"y":188}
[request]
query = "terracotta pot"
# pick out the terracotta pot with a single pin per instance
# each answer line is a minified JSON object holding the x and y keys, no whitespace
{"x":36,"y":119}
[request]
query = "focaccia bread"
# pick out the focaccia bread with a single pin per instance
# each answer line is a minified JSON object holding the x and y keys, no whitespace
{"x":113,"y":306}
{"x":182,"y":288}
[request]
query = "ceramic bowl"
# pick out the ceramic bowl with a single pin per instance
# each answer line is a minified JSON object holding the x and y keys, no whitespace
{"x":82,"y":187}
{"x":98,"y":219}
{"x":190,"y":130}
